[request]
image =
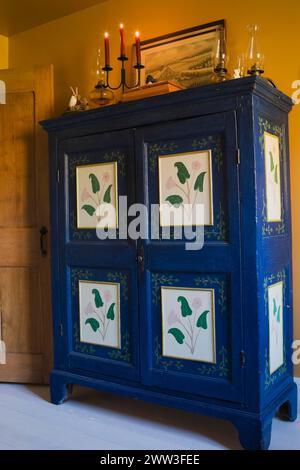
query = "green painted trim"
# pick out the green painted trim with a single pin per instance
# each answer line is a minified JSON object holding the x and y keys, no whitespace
{"x":159,"y":280}
{"x":122,"y":279}
{"x":124,"y":353}
{"x":119,"y":157}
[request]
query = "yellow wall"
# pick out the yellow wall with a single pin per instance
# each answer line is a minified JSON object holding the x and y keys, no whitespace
{"x":70,"y":44}
{"x":3,"y":52}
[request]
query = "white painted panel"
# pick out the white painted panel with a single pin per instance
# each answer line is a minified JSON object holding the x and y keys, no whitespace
{"x":186,"y":179}
{"x":97,"y":191}
{"x":273,"y":177}
{"x":99,"y":307}
{"x":188,"y":324}
{"x":275,"y":302}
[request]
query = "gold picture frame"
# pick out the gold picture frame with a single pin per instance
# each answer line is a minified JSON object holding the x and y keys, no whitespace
{"x":183,"y":56}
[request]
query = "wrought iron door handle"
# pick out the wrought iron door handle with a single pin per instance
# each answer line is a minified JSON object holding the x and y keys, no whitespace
{"x":43,"y":234}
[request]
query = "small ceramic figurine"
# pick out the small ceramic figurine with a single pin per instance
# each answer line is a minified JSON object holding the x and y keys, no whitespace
{"x":73,"y":99}
{"x":77,"y":103}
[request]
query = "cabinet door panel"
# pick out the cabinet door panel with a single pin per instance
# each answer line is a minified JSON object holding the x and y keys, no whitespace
{"x":98,"y":277}
{"x":190,"y":303}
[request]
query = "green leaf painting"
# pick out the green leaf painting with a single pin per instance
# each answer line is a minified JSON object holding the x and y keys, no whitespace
{"x":199,"y":183}
{"x":185,"y":308}
{"x":272,"y":166}
{"x":276,"y":174}
{"x":176,"y":201}
{"x":98,"y":191}
{"x":89,"y":209}
{"x":178,"y":335}
{"x":95,"y":183}
{"x":97,"y":298}
{"x":111,"y":312}
{"x":276,"y":310}
{"x":107,"y":196}
{"x":101,"y":312}
{"x":274,"y":307}
{"x":278,"y":314}
{"x":95,"y":325}
{"x":182,"y":172}
{"x":185,"y":185}
{"x":202,"y":320}
{"x":188,"y":321}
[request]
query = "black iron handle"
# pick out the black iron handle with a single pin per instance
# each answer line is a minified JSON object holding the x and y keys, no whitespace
{"x":43,"y":234}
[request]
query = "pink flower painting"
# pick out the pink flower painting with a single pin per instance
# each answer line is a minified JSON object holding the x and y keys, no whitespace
{"x":171,"y":183}
{"x":172,"y":318}
{"x":197,"y":304}
{"x":107,"y":296}
{"x":105,"y":177}
{"x":196,"y":165}
{"x":85,"y":195}
{"x":89,"y":309}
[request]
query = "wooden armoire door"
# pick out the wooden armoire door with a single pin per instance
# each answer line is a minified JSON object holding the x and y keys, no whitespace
{"x":190,"y":301}
{"x":97,"y":329}
{"x":24,"y":222}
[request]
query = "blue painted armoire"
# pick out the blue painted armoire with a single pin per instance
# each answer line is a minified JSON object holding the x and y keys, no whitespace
{"x":208,"y":331}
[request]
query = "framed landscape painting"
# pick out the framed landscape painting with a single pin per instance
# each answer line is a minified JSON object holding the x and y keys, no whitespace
{"x":184,"y":57}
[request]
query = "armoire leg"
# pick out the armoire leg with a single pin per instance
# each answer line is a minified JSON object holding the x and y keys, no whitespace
{"x":289,"y":408}
{"x":255,"y":434}
{"x":58,"y":390}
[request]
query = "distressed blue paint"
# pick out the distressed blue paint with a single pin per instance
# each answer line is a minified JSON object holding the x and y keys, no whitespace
{"x":240,"y":255}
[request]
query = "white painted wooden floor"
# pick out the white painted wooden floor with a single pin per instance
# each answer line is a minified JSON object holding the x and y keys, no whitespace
{"x":94,"y":420}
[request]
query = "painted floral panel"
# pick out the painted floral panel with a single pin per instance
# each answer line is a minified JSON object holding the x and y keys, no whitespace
{"x":273,"y":178}
{"x":97,"y":199}
{"x":99,"y":312}
{"x":186,"y":179}
{"x":188,"y":324}
{"x":275,"y":304}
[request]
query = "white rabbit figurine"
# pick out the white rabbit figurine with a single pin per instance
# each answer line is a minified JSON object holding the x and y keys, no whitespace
{"x":75,"y":98}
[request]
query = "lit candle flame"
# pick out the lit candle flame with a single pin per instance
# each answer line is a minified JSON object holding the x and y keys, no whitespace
{"x":106,"y":35}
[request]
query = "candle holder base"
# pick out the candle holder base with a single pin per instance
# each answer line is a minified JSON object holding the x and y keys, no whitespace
{"x":123,"y":83}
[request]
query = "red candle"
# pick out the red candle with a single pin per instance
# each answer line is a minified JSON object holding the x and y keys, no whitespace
{"x":122,"y":40}
{"x":138,"y":48}
{"x":106,"y":44}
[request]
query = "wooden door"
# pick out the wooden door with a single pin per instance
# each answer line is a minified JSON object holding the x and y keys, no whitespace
{"x":190,"y":302}
{"x":24,"y":219}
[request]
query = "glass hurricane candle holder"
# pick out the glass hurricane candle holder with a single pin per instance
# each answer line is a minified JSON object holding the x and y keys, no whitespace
{"x":220,"y":57}
{"x":239,"y":69}
{"x":254,"y":56}
{"x":101,"y":95}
